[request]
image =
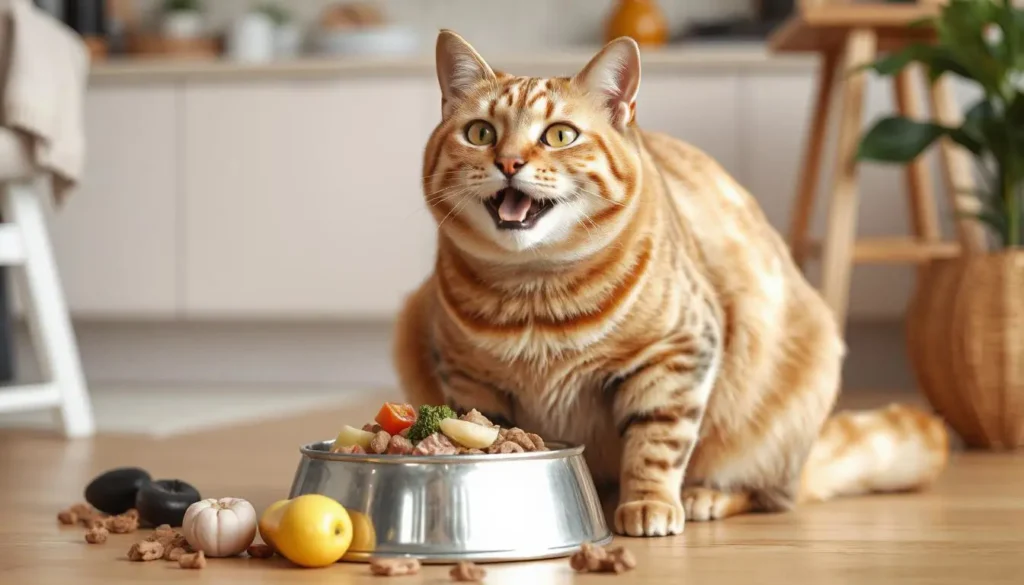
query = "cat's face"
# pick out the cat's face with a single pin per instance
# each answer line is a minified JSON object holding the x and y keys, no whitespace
{"x":524,"y":168}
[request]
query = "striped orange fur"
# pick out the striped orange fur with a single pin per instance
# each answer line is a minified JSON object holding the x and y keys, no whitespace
{"x":614,"y":287}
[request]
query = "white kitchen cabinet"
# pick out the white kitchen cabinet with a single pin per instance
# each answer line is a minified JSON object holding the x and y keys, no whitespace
{"x":302,"y":197}
{"x":284,"y":194}
{"x":115,"y":238}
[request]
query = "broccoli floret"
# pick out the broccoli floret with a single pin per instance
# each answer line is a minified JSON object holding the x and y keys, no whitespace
{"x":428,"y":421}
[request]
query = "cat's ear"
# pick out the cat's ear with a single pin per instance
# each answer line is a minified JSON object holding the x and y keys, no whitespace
{"x":459,"y":67}
{"x":614,"y":73}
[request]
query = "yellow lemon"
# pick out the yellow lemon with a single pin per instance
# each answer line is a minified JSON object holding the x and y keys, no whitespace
{"x":364,"y":537}
{"x":270,"y":520}
{"x":313,"y":531}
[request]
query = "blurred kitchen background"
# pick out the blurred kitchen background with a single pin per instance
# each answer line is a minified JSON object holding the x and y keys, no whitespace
{"x":251,"y":217}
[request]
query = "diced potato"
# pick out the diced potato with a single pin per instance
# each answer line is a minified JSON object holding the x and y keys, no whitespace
{"x":469,"y":434}
{"x":352,"y":436}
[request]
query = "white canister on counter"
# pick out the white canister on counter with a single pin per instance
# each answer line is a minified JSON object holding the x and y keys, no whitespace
{"x":182,"y":24}
{"x":251,"y":38}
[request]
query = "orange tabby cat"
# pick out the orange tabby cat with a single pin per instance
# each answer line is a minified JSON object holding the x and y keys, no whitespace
{"x":608,"y":286}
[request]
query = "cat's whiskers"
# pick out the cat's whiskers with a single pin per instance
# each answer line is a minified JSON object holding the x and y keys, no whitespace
{"x":467,"y":196}
{"x":583,"y":191}
{"x":443,"y":194}
{"x":449,"y":172}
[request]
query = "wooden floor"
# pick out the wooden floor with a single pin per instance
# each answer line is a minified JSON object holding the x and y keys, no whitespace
{"x":967,"y":529}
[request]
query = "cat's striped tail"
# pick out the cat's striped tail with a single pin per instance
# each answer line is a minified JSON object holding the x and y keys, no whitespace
{"x":896,"y":448}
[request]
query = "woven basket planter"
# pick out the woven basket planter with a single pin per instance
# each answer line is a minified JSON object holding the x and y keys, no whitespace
{"x":965,"y":336}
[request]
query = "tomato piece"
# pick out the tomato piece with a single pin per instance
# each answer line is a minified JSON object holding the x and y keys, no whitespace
{"x":395,"y":418}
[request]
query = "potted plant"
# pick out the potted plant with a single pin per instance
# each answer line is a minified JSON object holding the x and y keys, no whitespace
{"x":965,"y":324}
{"x":182,"y":19}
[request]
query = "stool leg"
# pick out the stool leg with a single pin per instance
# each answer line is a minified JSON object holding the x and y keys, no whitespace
{"x":45,"y":309}
{"x":837,"y":259}
{"x":810,"y":172}
{"x":957,"y":173}
{"x":924,"y":215}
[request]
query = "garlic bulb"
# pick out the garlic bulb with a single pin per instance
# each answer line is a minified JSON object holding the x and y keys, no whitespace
{"x":220,"y":528}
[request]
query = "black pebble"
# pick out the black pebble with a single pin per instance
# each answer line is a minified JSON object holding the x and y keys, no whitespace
{"x":164,"y":502}
{"x":114,"y":491}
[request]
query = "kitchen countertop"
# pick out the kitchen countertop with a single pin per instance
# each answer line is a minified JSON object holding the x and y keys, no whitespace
{"x":707,"y":57}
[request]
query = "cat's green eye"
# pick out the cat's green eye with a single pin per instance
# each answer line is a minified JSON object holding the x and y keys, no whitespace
{"x":559,"y":135}
{"x":480,"y":133}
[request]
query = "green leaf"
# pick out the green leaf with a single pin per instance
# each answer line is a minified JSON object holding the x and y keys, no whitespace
{"x":898,"y":140}
{"x":1015,"y":110}
{"x":972,"y":131}
{"x":995,"y":221}
{"x":960,"y":32}
{"x":967,"y":141}
{"x":942,"y":60}
{"x":894,"y":63}
{"x":924,"y":22}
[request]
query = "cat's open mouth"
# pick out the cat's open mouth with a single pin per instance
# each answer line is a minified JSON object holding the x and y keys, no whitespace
{"x":512,"y":209}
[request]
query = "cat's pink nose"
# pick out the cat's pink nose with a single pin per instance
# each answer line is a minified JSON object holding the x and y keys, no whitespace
{"x":509,"y":166}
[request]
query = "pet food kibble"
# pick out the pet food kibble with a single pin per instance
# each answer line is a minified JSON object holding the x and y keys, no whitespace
{"x":588,"y":558}
{"x":260,"y":551}
{"x":399,"y":429}
{"x":83,"y":514}
{"x":145,"y":551}
{"x":435,"y":444}
{"x":67,"y":517}
{"x":122,"y":524}
{"x":400,"y":445}
{"x":474,"y":416}
{"x":394,"y":567}
{"x":380,"y":441}
{"x":504,"y":448}
{"x":538,"y":443}
{"x":624,"y":560}
{"x":196,"y":560}
{"x":519,"y":437}
{"x":467,"y":572}
{"x":595,"y":559}
{"x":97,"y":535}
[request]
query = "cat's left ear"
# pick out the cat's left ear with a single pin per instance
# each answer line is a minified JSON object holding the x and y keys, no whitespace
{"x":614,"y":73}
{"x":459,"y":68}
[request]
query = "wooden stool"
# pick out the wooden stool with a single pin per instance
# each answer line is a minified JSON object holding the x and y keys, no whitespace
{"x":848,"y":36}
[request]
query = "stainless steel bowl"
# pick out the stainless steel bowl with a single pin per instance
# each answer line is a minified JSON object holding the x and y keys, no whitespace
{"x":444,"y":509}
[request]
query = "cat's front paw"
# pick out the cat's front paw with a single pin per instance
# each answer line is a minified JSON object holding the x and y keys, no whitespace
{"x":649,"y":518}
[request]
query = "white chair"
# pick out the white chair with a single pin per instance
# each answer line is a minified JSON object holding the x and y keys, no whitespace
{"x":25,"y":247}
{"x":42,"y":84}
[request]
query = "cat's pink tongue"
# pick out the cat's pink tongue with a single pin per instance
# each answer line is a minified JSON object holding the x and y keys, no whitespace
{"x":514,"y":206}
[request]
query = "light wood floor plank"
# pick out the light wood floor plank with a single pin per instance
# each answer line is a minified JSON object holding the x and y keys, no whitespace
{"x":967,"y":529}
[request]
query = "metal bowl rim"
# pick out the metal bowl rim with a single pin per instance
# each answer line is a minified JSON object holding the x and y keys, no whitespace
{"x":563,"y":451}
{"x":481,"y":556}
